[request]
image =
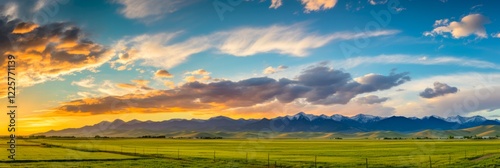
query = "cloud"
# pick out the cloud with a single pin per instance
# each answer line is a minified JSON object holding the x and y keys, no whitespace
{"x":309,"y":5}
{"x":86,"y":82}
{"x":316,"y":85}
{"x":398,"y":9}
{"x":316,"y":5}
{"x":272,"y":70}
{"x":40,"y":4}
{"x":275,"y":108}
{"x":108,"y":88}
{"x":294,"y":40}
{"x":465,"y":102}
{"x":195,"y":79}
{"x":24,"y":27}
{"x":377,"y":2}
{"x":440,"y":89}
{"x":10,"y":10}
{"x":416,"y":60}
{"x":497,"y":35}
{"x":275,"y":4}
{"x":49,"y":51}
{"x":371,"y":99}
{"x":478,"y":92}
{"x":85,"y":94}
{"x":198,"y":72}
{"x":141,"y":82}
{"x":472,"y":24}
{"x":354,"y":6}
{"x":150,"y":10}
{"x":159,"y":50}
{"x":33,"y":11}
{"x":163,"y":74}
{"x":138,"y":85}
{"x":199,"y":75}
{"x":169,"y":84}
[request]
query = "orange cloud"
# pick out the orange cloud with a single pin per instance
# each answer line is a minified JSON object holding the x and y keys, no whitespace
{"x":163,"y":74}
{"x":48,"y":52}
{"x":24,"y":27}
{"x":316,"y":86}
{"x":198,"y":72}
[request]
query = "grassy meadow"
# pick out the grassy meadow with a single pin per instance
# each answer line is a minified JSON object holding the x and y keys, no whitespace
{"x":114,"y":152}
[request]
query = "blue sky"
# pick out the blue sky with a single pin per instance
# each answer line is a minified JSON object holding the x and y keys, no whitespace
{"x":152,"y":47}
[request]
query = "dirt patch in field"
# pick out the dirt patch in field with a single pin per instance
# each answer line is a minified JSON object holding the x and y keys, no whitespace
{"x":483,"y":157}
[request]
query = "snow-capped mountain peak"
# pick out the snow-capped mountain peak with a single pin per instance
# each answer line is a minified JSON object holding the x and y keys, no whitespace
{"x":338,"y":117}
{"x":299,"y":115}
{"x":365,"y":118}
{"x":463,"y":120}
{"x":435,"y":116}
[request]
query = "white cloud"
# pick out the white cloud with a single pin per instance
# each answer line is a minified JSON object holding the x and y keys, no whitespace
{"x":40,"y":4}
{"x":316,"y":5}
{"x":11,"y":9}
{"x":309,"y":5}
{"x":497,"y":35}
{"x":441,"y":22}
{"x":86,"y":82}
{"x":292,"y":40}
{"x":158,"y":50}
{"x":33,"y":11}
{"x":150,"y":9}
{"x":399,"y":9}
{"x":472,"y":24}
{"x":377,"y":2}
{"x":275,"y":4}
{"x":418,"y":60}
{"x":84,"y":95}
{"x":272,"y":70}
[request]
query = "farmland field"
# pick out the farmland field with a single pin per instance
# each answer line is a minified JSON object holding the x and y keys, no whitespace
{"x":115,"y":152}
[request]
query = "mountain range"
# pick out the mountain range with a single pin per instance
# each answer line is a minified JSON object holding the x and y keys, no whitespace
{"x":301,"y":122}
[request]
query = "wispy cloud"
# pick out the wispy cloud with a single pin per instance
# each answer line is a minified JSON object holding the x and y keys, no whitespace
{"x":86,"y":82}
{"x":417,"y":60}
{"x":377,"y":2}
{"x":150,"y":10}
{"x":159,"y":50}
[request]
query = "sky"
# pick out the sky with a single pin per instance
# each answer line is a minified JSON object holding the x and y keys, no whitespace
{"x":82,"y":62}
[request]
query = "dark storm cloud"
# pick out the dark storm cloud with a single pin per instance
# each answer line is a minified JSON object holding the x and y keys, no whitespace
{"x":317,"y":85}
{"x":440,"y":89}
{"x":372,"y":99}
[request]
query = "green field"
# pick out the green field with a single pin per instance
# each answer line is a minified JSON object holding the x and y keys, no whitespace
{"x":254,"y":153}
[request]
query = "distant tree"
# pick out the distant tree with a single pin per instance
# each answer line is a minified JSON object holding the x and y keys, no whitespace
{"x":97,"y":136}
